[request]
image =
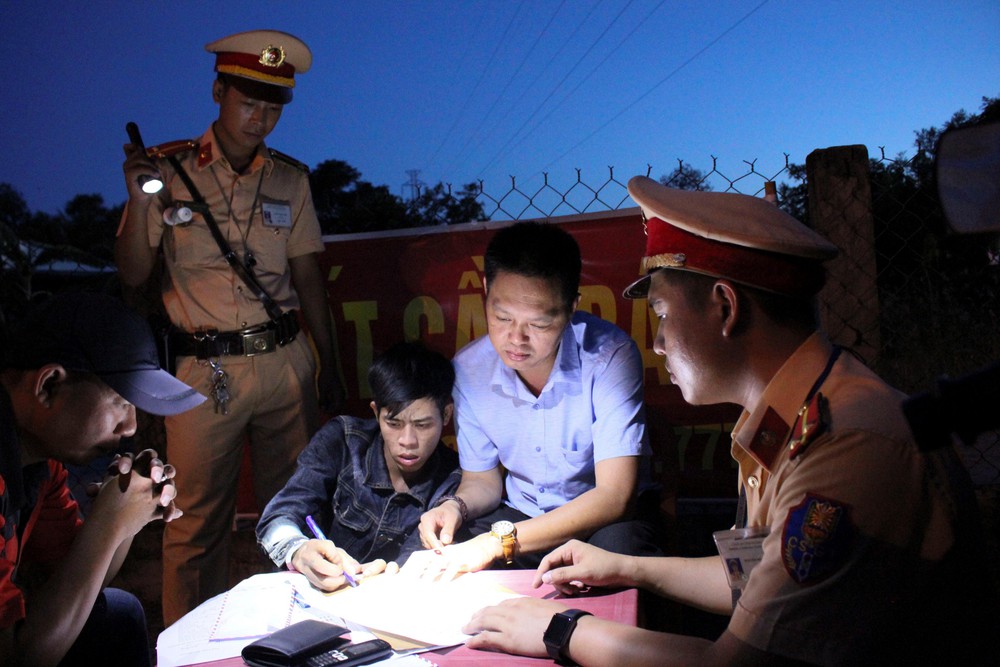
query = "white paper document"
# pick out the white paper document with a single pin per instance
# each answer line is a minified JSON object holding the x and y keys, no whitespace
{"x":252,"y":610}
{"x":421,"y":610}
{"x":425,"y":612}
{"x":220,"y":627}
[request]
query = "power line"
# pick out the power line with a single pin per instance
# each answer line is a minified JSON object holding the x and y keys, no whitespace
{"x":553,"y":92}
{"x":646,"y":94}
{"x":513,"y":76}
{"x":475,"y":87}
{"x":553,"y":59}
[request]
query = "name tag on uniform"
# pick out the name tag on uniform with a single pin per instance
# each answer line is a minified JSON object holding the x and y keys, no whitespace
{"x":277,"y":214}
{"x":741,"y":550}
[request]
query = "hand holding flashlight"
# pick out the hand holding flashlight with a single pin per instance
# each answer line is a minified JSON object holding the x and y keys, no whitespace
{"x":149,"y":184}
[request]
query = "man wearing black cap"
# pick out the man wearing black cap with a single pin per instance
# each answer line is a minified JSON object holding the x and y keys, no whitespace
{"x":855,"y":546}
{"x":235,"y":329}
{"x":76,"y":369}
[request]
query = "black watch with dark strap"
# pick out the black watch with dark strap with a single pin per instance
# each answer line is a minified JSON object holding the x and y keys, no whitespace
{"x":558,"y":633}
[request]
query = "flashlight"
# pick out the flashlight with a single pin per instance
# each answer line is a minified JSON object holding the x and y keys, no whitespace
{"x":177,"y":215}
{"x":149,"y":184}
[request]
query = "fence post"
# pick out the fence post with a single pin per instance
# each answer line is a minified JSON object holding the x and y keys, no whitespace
{"x":840,"y":208}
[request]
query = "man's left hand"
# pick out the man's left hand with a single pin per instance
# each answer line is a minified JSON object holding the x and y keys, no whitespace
{"x":447,"y":563}
{"x":513,"y":626}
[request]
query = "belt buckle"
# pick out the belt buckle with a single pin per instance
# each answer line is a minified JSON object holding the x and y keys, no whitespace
{"x":260,"y":342}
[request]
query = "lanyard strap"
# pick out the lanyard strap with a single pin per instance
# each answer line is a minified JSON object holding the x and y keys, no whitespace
{"x":245,"y":274}
{"x":741,"y":505}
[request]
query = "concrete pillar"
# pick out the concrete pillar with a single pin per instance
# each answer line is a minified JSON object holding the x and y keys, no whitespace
{"x":840,"y":208}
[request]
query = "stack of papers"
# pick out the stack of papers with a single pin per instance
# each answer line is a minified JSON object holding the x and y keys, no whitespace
{"x":410,"y":613}
{"x":404,"y":606}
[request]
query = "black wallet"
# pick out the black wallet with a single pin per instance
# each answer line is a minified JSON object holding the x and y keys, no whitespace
{"x":294,"y":645}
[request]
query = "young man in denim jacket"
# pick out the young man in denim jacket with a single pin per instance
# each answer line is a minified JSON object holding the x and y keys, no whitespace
{"x":366,"y":482}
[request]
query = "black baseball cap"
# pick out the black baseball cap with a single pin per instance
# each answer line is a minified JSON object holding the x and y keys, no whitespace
{"x":99,"y":334}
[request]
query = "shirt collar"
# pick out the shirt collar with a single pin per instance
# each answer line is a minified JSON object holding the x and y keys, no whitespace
{"x":377,"y":473}
{"x":567,"y":369}
{"x":11,"y":470}
{"x":766,"y":425}
{"x":568,"y":366}
{"x":209,"y":152}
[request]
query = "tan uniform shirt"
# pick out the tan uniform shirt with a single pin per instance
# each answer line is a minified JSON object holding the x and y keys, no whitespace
{"x":200,"y":290}
{"x":860,"y":521}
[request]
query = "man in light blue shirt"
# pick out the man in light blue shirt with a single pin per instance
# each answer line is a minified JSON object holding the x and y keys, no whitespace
{"x":549,"y":408}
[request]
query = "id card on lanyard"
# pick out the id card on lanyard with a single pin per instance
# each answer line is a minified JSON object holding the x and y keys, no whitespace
{"x":741,"y":549}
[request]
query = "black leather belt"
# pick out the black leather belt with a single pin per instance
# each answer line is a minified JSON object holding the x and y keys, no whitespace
{"x":260,"y":339}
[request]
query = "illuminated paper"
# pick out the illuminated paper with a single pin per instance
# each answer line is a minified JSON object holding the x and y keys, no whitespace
{"x":406,"y":606}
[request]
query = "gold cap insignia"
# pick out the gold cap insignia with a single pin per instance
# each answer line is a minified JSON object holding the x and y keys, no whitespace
{"x":667,"y":260}
{"x":272,"y":56}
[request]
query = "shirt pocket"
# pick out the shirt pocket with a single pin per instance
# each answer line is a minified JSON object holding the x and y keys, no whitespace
{"x":192,"y":245}
{"x":579,"y":449}
{"x":270,"y":248}
{"x":352,"y":513}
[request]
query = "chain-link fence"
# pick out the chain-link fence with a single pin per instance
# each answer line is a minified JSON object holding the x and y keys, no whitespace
{"x":938,"y":294}
{"x":545,"y":200}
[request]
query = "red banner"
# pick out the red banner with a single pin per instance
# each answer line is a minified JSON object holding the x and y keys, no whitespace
{"x":427,"y":283}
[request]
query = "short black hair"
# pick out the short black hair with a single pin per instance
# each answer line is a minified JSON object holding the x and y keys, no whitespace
{"x":536,"y":250}
{"x":407,"y":372}
{"x":796,"y":312}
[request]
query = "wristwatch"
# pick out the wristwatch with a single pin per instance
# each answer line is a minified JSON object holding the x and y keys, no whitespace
{"x":557,"y":635}
{"x":507,"y":534}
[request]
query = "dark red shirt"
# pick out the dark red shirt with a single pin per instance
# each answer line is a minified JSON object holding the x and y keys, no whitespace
{"x":38,"y":516}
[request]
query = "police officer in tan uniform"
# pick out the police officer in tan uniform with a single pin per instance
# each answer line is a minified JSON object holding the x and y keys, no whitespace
{"x":231,"y":344}
{"x":854,"y":546}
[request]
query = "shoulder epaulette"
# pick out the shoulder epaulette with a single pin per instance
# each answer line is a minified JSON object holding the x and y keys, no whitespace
{"x":162,"y":151}
{"x":288,"y":159}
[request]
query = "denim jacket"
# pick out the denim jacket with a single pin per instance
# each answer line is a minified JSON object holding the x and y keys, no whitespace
{"x":341,"y":479}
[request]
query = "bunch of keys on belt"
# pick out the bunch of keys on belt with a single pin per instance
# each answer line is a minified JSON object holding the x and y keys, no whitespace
{"x":220,"y":388}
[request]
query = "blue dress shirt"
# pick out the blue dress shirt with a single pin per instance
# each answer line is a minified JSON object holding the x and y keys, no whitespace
{"x":591,"y":409}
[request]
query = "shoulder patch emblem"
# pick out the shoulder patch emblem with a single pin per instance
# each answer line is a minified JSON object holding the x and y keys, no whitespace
{"x":162,"y":151}
{"x":816,"y":539}
{"x":287,"y":159}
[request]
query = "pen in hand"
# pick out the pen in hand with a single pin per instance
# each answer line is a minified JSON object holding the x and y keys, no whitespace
{"x":318,"y":533}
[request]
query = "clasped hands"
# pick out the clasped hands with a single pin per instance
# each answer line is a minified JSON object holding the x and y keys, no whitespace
{"x":136,"y":489}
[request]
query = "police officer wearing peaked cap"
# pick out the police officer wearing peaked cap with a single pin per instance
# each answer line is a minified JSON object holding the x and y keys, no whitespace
{"x":263,"y":63}
{"x":729,"y":235}
{"x":231,"y":342}
{"x":864,"y":544}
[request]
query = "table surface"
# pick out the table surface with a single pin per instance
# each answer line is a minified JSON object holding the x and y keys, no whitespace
{"x":617,"y":605}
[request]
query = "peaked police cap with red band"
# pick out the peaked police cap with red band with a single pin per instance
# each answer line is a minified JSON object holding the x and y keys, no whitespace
{"x":726,"y":235}
{"x":263,"y":63}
